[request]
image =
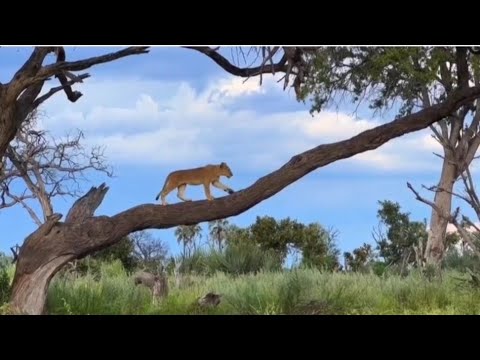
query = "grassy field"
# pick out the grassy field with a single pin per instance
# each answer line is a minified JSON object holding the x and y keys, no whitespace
{"x":304,"y":291}
{"x":295,"y":292}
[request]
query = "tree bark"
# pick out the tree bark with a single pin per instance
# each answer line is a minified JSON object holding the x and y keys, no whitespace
{"x":435,"y":249}
{"x":54,"y":243}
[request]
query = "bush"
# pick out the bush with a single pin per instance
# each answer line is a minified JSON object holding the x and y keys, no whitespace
{"x":236,"y":259}
{"x":4,"y":284}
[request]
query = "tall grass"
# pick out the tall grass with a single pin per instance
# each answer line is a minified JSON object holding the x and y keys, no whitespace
{"x":301,"y":291}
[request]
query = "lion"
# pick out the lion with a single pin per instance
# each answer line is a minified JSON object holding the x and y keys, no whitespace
{"x":205,"y":175}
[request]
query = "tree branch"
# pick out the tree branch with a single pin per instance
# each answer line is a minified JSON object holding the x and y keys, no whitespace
{"x":54,"y":90}
{"x":31,"y":66}
{"x":429,"y":203}
{"x":85,"y":206}
{"x":463,"y":75}
{"x":153,"y":216}
{"x":53,"y":69}
{"x":235,"y":70}
{"x":449,"y":217}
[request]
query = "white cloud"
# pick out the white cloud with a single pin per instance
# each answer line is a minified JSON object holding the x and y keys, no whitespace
{"x":145,"y":121}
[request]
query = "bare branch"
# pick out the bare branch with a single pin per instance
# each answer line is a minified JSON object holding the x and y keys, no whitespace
{"x":14,"y":250}
{"x":21,"y":201}
{"x":429,"y":203}
{"x":440,"y":137}
{"x":54,"y":90}
{"x":47,"y":167}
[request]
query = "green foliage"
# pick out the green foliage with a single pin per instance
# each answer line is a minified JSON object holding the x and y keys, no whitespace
{"x":397,"y":245}
{"x":319,"y":248}
{"x":237,"y":258}
{"x":360,"y":259}
{"x":110,"y":292}
{"x":187,"y":235}
{"x":382,"y":75}
{"x":218,"y":232}
{"x":316,"y":244}
{"x":122,"y":250}
{"x":455,"y":261}
{"x":303,"y":291}
{"x":243,"y":258}
{"x":4,"y":284}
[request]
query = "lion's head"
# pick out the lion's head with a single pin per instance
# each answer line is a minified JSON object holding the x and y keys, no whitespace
{"x":225,"y":170}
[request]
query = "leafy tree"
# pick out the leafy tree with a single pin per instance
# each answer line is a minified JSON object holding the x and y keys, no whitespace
{"x":417,"y":78}
{"x":123,"y":251}
{"x":360,"y":258}
{"x":403,"y":239}
{"x":318,"y":248}
{"x":82,"y":233}
{"x":316,"y":244}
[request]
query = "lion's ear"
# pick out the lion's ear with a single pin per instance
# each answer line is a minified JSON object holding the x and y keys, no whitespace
{"x":223,"y":164}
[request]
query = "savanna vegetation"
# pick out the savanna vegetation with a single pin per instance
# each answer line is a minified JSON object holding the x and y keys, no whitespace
{"x":88,"y":263}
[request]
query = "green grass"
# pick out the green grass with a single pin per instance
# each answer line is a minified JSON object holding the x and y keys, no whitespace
{"x":296,"y":292}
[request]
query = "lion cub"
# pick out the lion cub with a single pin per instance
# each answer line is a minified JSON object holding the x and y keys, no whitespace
{"x":205,"y":175}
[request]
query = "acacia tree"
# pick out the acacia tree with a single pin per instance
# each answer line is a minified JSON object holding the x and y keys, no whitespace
{"x":417,"y":77}
{"x":55,"y":243}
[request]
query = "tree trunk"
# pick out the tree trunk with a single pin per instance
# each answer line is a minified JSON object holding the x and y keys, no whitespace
{"x":51,"y":246}
{"x":435,"y":249}
{"x":29,"y":291}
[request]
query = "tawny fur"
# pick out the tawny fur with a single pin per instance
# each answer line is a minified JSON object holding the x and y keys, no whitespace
{"x":205,"y":175}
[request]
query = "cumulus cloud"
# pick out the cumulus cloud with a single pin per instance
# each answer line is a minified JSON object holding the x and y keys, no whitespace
{"x":156,"y":122}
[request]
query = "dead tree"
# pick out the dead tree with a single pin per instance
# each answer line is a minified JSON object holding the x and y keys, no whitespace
{"x":38,"y":168}
{"x":55,"y":243}
{"x":148,"y":251}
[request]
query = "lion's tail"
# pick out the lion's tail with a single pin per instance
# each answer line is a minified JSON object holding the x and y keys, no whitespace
{"x":163,"y":188}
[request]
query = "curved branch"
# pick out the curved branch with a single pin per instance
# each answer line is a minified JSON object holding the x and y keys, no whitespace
{"x":157,"y":216}
{"x":238,"y":71}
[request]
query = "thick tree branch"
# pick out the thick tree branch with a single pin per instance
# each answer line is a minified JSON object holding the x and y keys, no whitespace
{"x":463,"y":75}
{"x":153,"y":216}
{"x":53,"y":69}
{"x":85,"y":206}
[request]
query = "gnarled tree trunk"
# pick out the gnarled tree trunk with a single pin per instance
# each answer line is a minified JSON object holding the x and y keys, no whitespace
{"x":50,"y":247}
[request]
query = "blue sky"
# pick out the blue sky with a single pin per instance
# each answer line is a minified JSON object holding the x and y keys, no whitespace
{"x":174,"y":108}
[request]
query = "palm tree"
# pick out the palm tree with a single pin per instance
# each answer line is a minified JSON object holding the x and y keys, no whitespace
{"x":187,"y":235}
{"x":218,"y":231}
